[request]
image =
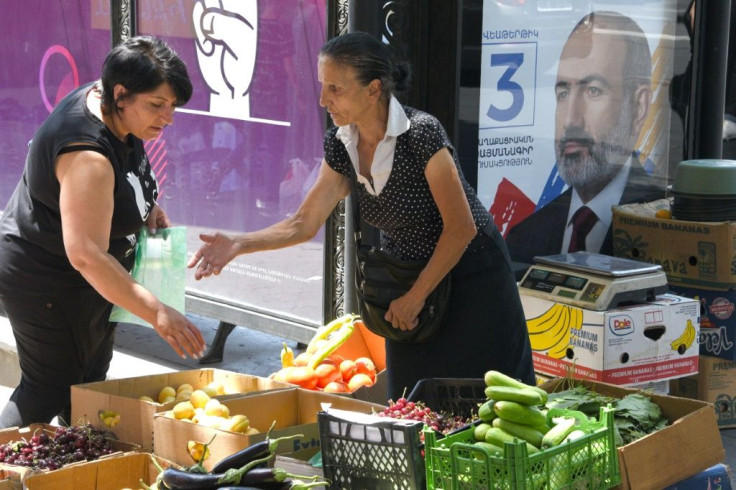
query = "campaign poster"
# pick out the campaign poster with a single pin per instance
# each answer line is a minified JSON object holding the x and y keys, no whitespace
{"x":574,"y":112}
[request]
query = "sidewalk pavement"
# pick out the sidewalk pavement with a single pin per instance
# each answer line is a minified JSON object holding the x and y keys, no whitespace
{"x":139,"y":351}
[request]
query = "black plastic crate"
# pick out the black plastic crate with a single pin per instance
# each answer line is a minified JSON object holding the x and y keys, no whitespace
{"x":383,"y":454}
{"x":458,"y":396}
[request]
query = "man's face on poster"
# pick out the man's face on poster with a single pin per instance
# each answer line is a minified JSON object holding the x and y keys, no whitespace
{"x":594,"y":115}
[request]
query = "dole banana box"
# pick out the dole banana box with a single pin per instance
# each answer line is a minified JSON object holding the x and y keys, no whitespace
{"x":717,"y":320}
{"x":627,"y":345}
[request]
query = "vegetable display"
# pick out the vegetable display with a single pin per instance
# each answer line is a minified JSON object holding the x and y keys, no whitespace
{"x":320,"y":368}
{"x":635,"y":415}
{"x":62,"y":446}
{"x":243,"y":469}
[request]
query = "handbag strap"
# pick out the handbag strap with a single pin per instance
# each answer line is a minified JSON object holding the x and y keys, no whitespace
{"x":354,"y":198}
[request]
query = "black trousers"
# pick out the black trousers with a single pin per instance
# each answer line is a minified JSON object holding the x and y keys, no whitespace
{"x":63,"y":338}
{"x":485,"y":328}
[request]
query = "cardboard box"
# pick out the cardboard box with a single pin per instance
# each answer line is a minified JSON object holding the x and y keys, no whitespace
{"x":13,"y":434}
{"x":692,"y":253}
{"x":691,"y":441}
{"x":124,"y":471}
{"x":623,"y":346}
{"x":136,"y":416}
{"x":364,"y":343}
{"x":294,"y":412}
{"x":717,"y":320}
{"x":656,"y":387}
{"x":11,"y":477}
{"x":18,"y":475}
{"x":715,"y":383}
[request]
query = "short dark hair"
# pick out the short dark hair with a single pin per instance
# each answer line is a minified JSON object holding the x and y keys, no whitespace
{"x":638,"y":61}
{"x":371,"y":59}
{"x":141,"y":64}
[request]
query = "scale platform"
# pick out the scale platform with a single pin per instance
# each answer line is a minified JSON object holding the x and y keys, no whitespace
{"x":593,"y":281}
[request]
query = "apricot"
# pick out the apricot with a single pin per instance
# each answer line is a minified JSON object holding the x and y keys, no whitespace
{"x":359,"y":380}
{"x":183,"y":410}
{"x":199,"y":398}
{"x":348,"y":369}
{"x":336,"y":387}
{"x":326,"y":373}
{"x":166,"y":392}
{"x":366,"y":366}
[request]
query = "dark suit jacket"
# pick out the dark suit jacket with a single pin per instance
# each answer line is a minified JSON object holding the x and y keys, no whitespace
{"x":541,"y":233}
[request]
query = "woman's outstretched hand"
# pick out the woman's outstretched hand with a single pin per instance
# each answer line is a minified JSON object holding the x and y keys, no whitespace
{"x":213,"y":255}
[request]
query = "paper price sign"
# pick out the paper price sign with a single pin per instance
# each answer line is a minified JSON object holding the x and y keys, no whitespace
{"x":508,"y":83}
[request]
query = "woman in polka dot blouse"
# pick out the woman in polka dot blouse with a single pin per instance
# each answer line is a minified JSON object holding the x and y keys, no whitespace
{"x":412,"y":189}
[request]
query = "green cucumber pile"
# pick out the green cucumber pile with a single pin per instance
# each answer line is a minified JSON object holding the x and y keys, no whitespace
{"x":516,"y":411}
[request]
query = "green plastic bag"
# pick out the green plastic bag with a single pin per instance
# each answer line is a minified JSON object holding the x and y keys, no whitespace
{"x":160,"y":266}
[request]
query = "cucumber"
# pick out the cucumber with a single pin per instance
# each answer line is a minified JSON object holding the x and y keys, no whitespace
{"x":498,"y":437}
{"x":543,"y":428}
{"x":526,"y":396}
{"x":575,"y":434}
{"x":558,"y":432}
{"x":492,"y":448}
{"x":480,"y":431}
{"x":497,"y":378}
{"x":485,"y":412}
{"x":521,"y":414}
{"x":526,"y":432}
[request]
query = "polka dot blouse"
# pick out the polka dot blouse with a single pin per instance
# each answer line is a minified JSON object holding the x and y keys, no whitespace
{"x":404,"y":211}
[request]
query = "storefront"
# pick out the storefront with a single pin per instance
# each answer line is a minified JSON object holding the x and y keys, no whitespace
{"x":487,"y":69}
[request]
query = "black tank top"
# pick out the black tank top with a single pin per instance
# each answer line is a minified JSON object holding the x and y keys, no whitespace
{"x":32,"y":255}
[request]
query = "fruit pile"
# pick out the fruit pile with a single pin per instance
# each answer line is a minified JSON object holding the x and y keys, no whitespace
{"x":52,"y":451}
{"x":183,"y":392}
{"x":319,"y":368}
{"x":201,"y":409}
{"x":419,"y":411}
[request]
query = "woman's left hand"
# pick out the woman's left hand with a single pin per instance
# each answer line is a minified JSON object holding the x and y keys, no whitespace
{"x":157,"y":218}
{"x":403,"y":312}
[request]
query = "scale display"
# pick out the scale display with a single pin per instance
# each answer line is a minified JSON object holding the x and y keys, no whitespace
{"x":593,"y":281}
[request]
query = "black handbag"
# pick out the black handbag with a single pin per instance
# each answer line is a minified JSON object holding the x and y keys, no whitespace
{"x":381,"y":278}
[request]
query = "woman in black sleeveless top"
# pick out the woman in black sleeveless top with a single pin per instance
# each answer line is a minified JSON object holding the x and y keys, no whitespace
{"x":68,"y":233}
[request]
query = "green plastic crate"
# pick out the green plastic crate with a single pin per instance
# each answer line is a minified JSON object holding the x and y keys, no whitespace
{"x":591,"y":462}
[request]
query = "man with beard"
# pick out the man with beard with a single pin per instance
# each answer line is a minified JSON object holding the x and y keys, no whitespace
{"x":603,"y":96}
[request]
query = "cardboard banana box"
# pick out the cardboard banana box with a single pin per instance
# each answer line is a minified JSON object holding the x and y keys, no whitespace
{"x":628,"y":345}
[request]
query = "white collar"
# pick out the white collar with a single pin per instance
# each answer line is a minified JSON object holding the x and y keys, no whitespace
{"x":396,"y":125}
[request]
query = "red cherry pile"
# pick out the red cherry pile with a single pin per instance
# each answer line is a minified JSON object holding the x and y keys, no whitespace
{"x":438,"y":422}
{"x":52,"y":451}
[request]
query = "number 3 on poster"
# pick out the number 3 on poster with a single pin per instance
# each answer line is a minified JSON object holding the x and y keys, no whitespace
{"x":508,"y":83}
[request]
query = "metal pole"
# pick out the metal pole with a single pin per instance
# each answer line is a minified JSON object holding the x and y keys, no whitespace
{"x":366,"y":16}
{"x":122,"y":20}
{"x":708,"y":93}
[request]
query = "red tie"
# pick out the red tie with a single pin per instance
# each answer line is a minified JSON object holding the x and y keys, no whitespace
{"x":582,"y":222}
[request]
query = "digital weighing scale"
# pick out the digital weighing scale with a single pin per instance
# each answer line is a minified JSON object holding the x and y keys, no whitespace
{"x":593,"y":281}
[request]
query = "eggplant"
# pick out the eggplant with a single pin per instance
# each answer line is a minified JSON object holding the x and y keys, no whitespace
{"x":176,"y":479}
{"x":254,"y":451}
{"x":281,"y":486}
